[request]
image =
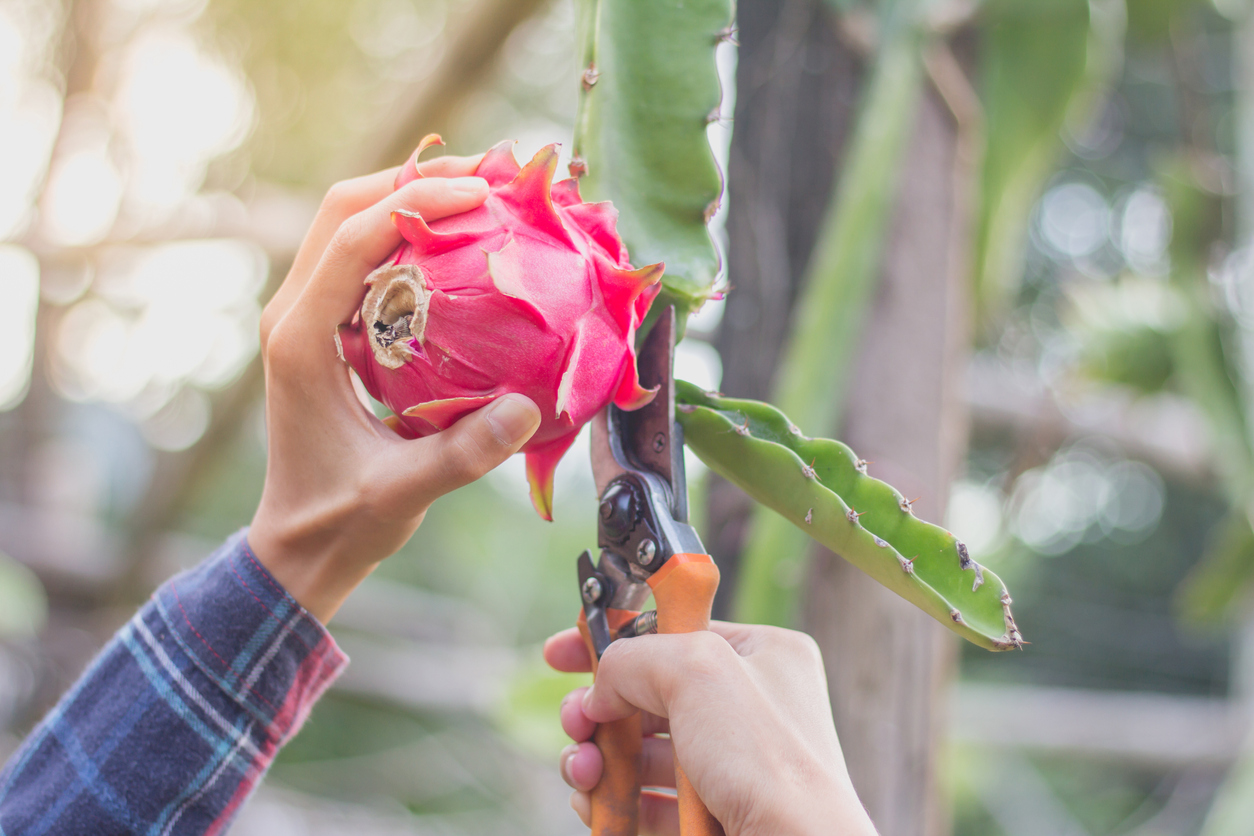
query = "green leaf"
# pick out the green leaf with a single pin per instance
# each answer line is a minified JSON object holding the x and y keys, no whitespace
{"x":1207,"y":371}
{"x":1202,"y":347}
{"x":1125,"y":330}
{"x":1233,"y":809}
{"x":1218,"y":586}
{"x":650,"y":88}
{"x":823,"y":489}
{"x":1034,"y":62}
{"x":23,"y":604}
{"x":1136,"y":357}
{"x":1149,"y":21}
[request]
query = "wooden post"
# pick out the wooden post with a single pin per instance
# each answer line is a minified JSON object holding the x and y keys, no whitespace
{"x":887,"y":662}
{"x":796,"y":96}
{"x":797,"y":82}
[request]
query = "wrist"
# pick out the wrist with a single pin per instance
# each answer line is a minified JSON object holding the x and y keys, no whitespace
{"x":821,"y":807}
{"x":313,"y":568}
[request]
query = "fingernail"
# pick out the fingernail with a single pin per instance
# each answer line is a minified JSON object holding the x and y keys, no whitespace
{"x":468,"y":185}
{"x":587,"y":697}
{"x":512,"y":418}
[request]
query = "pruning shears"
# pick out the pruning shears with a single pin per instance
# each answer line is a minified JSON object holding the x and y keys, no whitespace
{"x":646,"y":546}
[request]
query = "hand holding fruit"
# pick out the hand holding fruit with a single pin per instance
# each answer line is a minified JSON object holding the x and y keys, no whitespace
{"x":532,"y":292}
{"x":343,"y":491}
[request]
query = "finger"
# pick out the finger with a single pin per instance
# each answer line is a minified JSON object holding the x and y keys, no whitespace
{"x":364,"y":240}
{"x":647,"y":673}
{"x":567,"y":652}
{"x":574,"y":722}
{"x":471,"y":447}
{"x":579,"y":727}
{"x":776,"y":651}
{"x":342,"y":201}
{"x":739,"y":636}
{"x":581,"y":803}
{"x":659,"y":814}
{"x":447,"y":166}
{"x":581,"y":765}
{"x":347,"y":198}
{"x":657,"y":768}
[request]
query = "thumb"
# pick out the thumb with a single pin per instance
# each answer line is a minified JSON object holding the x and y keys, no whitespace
{"x":475,"y":444}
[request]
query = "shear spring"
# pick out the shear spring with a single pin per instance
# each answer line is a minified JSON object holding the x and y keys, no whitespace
{"x":641,"y":625}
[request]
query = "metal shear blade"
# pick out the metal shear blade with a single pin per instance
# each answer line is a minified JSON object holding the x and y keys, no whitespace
{"x":646,"y":439}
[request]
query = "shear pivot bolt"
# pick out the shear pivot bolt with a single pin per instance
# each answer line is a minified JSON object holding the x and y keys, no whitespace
{"x":645,"y":552}
{"x":618,"y":511}
{"x":591,"y":590}
{"x":659,"y":442}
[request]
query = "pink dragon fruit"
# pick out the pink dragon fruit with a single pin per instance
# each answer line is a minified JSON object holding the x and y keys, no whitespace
{"x":530,"y":293}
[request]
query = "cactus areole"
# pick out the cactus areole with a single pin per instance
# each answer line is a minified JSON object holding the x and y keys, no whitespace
{"x":530,"y":293}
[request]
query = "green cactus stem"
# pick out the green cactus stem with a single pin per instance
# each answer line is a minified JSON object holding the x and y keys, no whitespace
{"x":648,"y":89}
{"x":823,"y":488}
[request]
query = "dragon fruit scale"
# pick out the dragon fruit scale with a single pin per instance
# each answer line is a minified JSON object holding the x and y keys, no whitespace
{"x":532,"y":293}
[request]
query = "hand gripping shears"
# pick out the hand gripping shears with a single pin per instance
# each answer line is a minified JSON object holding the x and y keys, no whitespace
{"x":646,"y":545}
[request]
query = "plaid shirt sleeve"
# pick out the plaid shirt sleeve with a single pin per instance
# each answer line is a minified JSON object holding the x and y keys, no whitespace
{"x":173,"y":725}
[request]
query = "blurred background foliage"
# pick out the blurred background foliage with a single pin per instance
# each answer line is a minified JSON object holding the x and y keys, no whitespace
{"x":162,"y":158}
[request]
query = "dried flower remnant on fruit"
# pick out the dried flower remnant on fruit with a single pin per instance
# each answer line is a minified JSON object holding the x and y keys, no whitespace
{"x":396,"y":310}
{"x":532,"y":292}
{"x":385,"y":335}
{"x":853,"y":515}
{"x":861,"y":466}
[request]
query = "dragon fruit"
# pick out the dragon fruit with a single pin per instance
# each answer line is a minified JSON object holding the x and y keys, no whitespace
{"x":531,"y":293}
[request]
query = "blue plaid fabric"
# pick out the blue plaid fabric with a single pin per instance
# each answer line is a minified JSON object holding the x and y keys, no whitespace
{"x":172,"y":726}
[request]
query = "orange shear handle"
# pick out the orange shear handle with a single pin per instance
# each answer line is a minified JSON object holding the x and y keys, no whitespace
{"x":684,"y":591}
{"x":616,"y":797}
